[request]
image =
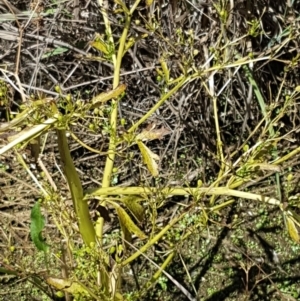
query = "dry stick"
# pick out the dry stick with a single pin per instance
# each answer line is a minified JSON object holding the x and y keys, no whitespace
{"x":12,"y":8}
{"x":21,"y":30}
{"x":33,"y":177}
{"x":49,"y":40}
{"x":30,"y":188}
{"x":161,"y":269}
{"x":47,"y":174}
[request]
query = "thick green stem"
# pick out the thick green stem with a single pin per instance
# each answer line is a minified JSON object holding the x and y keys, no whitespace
{"x":113,"y":119}
{"x":86,"y":227}
{"x":114,"y":115}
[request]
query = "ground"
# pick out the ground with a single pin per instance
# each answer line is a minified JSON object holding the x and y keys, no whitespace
{"x":211,"y":105}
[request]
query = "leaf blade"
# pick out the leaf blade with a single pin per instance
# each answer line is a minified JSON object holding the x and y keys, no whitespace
{"x":149,"y":158}
{"x":106,"y":96}
{"x":127,"y":222}
{"x":292,"y":229}
{"x":36,"y":227}
{"x":132,"y":203}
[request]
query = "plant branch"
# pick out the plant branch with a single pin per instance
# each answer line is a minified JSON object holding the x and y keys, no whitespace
{"x":197,"y":192}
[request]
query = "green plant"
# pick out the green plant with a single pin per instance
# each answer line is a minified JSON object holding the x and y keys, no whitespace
{"x":247,"y":164}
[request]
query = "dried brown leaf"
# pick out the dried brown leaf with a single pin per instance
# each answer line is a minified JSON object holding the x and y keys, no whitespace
{"x":66,"y":285}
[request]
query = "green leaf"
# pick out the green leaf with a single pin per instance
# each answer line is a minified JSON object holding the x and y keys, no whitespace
{"x":126,"y":221}
{"x":37,"y":226}
{"x":292,"y":229}
{"x":106,"y":96}
{"x":100,"y":44}
{"x":165,"y":69}
{"x":149,"y":158}
{"x":132,"y":203}
{"x":126,"y":235}
{"x":292,"y":223}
